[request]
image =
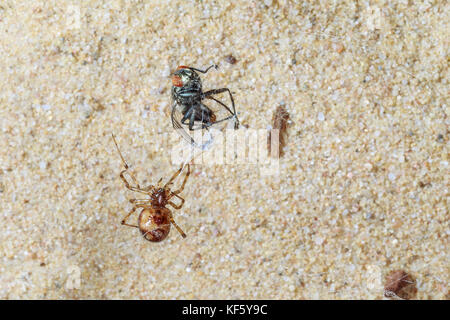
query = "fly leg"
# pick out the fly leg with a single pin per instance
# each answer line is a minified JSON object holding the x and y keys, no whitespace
{"x":215,"y":66}
{"x":210,"y":93}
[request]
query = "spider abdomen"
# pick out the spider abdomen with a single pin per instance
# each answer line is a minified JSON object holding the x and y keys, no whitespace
{"x":154,"y":223}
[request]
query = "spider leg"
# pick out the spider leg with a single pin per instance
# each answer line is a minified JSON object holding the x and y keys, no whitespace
{"x":173,"y":204}
{"x":184,"y":181}
{"x":175,"y":193}
{"x":122,"y":176}
{"x":177,"y":227}
{"x":127,"y":184}
{"x":149,"y":188}
{"x":176,"y":174}
{"x":140,"y":202}
{"x":127,"y":216}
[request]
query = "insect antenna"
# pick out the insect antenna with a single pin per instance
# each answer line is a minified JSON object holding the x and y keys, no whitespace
{"x":120,"y":153}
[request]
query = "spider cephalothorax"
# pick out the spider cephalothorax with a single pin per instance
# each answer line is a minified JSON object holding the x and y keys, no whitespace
{"x":160,"y":196}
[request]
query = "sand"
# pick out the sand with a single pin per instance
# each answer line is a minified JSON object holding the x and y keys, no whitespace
{"x":363,"y":184}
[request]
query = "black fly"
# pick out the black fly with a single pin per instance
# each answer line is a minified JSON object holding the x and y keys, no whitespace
{"x":188,"y":109}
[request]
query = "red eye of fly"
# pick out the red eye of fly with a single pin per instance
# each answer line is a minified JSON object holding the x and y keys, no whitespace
{"x":176,"y":81}
{"x":182,"y":67}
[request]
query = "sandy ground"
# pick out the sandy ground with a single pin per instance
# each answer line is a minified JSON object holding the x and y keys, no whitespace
{"x":362,"y":188}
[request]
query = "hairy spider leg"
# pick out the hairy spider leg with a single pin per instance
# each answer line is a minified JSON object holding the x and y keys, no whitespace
{"x":175,"y":175}
{"x":125,"y":164}
{"x":177,"y":227}
{"x":127,"y":216}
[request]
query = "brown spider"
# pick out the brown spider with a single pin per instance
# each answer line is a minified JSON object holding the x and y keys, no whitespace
{"x":155,"y":218}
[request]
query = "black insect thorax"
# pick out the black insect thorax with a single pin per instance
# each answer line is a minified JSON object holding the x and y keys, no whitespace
{"x":191,"y":90}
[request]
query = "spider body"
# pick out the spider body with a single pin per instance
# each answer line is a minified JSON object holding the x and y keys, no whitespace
{"x":155,"y":219}
{"x":154,"y":223}
{"x":189,"y":110}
